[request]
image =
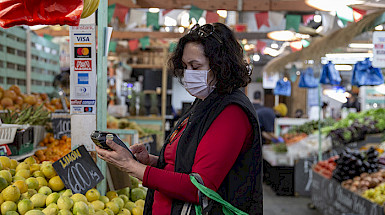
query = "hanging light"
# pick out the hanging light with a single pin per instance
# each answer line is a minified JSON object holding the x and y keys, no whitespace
{"x":379,"y":28}
{"x":181,"y":30}
{"x":274,"y":45}
{"x":343,"y":67}
{"x":286,"y":36}
{"x":185,"y":20}
{"x":222,"y":13}
{"x":256,"y":57}
{"x":154,"y":10}
{"x":317,"y":18}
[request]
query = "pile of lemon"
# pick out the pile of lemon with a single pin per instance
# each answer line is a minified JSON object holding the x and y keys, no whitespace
{"x":31,"y":188}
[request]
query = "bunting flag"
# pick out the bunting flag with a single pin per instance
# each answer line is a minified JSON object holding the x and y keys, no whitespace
{"x":133,"y":44}
{"x":260,"y":46}
{"x":292,"y":22}
{"x":48,"y":37}
{"x":111,"y":10}
{"x":112,"y":46}
{"x":305,"y":43}
{"x":195,"y":12}
{"x":262,"y":19}
{"x":240,"y":27}
{"x":276,"y":18}
{"x":296,"y":46}
{"x":345,"y":14}
{"x":164,"y":12}
{"x":144,"y":42}
{"x":293,"y":73}
{"x":153,"y":20}
{"x":307,"y":18}
{"x":358,"y":14}
{"x":212,"y":17}
{"x":121,"y":12}
{"x":137,"y":17}
{"x":172,"y":47}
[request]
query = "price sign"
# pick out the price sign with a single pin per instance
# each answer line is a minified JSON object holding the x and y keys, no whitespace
{"x":61,"y":124}
{"x":78,"y":170}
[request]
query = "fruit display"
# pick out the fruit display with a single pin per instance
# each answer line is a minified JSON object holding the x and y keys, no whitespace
{"x":326,"y":168}
{"x":291,"y":138}
{"x":55,"y":148}
{"x":30,"y":188}
{"x":356,"y":125}
{"x":280,"y":147}
{"x":365,"y":181}
{"x":14,"y":99}
{"x":31,"y":115}
{"x":311,"y":127}
{"x":352,"y":163}
{"x":115,"y":123}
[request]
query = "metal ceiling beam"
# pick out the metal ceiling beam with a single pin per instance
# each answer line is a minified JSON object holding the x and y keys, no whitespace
{"x":247,"y":5}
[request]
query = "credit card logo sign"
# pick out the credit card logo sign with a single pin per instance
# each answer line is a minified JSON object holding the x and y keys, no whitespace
{"x":87,"y":109}
{"x":83,"y":78}
{"x":83,"y":65}
{"x":83,"y":92}
{"x":82,"y":52}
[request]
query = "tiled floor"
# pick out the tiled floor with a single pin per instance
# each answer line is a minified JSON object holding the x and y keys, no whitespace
{"x":285,"y":205}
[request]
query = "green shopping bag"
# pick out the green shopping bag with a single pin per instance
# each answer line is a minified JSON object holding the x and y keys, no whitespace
{"x":227,"y":208}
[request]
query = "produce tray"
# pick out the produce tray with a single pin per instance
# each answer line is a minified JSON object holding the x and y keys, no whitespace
{"x":23,"y":142}
{"x":7,"y":133}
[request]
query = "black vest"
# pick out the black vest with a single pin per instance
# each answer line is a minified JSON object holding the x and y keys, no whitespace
{"x":242,"y":187}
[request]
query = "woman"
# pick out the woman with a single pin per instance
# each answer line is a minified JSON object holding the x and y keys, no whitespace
{"x":217,"y":140}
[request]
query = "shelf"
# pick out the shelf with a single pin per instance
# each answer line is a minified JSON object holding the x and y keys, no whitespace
{"x":146,"y":66}
{"x":21,"y":157}
{"x":144,"y":118}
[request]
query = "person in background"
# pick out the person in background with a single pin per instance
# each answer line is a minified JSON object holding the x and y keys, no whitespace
{"x":352,"y":103}
{"x":257,"y":103}
{"x":298,"y":113}
{"x":217,"y":141}
{"x":266,"y":117}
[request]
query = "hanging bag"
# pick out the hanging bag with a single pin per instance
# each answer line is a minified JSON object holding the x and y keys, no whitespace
{"x":330,"y":75}
{"x":364,"y":74}
{"x":227,"y":208}
{"x":307,"y":79}
{"x":283,"y":88}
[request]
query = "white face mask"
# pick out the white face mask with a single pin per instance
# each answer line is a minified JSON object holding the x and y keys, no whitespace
{"x":195,"y":82}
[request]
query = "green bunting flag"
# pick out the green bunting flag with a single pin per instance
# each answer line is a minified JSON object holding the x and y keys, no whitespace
{"x":48,"y":37}
{"x":292,"y":22}
{"x":144,"y":42}
{"x":172,"y":47}
{"x":112,"y":46}
{"x":153,"y":20}
{"x":111,"y":11}
{"x":195,"y":12}
{"x":345,"y":14}
{"x":305,"y":43}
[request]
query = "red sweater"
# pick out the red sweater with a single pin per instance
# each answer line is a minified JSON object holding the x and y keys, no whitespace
{"x":229,"y":134}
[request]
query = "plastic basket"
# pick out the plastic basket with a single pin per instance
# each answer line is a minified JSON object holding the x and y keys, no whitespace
{"x":7,"y":133}
{"x":38,"y":134}
{"x":23,"y":142}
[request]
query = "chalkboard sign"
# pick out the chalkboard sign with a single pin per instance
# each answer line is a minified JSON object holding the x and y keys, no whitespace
{"x":331,"y":198}
{"x":61,"y":124}
{"x":303,"y":175}
{"x":150,"y":143}
{"x":78,"y":170}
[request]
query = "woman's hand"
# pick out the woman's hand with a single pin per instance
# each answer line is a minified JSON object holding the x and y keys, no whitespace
{"x":141,"y":153}
{"x":122,"y":159}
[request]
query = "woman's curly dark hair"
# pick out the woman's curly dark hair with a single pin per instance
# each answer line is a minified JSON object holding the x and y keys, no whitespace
{"x":225,"y":59}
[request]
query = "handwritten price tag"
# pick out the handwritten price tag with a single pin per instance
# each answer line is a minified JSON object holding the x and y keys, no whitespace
{"x":78,"y":170}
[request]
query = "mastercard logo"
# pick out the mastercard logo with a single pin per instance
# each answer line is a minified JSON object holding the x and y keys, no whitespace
{"x":82,"y":52}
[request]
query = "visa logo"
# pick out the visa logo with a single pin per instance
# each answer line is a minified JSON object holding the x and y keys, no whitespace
{"x":83,"y":39}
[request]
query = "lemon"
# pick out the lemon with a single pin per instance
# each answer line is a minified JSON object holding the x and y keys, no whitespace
{"x":38,"y":200}
{"x":130,"y":206}
{"x":23,"y":187}
{"x":52,"y":198}
{"x":17,"y":178}
{"x":8,"y":206}
{"x":109,"y":211}
{"x":12,"y":171}
{"x":98,"y":205}
{"x":35,"y":212}
{"x":50,"y":211}
{"x":48,"y":171}
{"x":137,"y":211}
{"x":7,"y":175}
{"x":56,"y":184}
{"x":104,"y":199}
{"x":113,"y":206}
{"x":11,"y":193}
{"x":34,"y":167}
{"x":30,"y":160}
{"x":29,"y":193}
{"x":119,"y":202}
{"x":1,"y":199}
{"x":22,"y":165}
{"x":14,"y":164}
{"x":67,"y":193}
{"x":3,"y":183}
{"x":52,"y":205}
{"x":32,"y":183}
{"x":24,"y":205}
{"x":111,"y":194}
{"x":140,"y":203}
{"x":45,"y":190}
{"x":42,"y":181}
{"x":92,"y":195}
{"x":38,"y":174}
{"x":125,"y":198}
{"x":124,"y":211}
{"x":102,"y":212}
{"x":5,"y":161}
{"x":25,"y":173}
{"x":80,"y":208}
{"x":78,"y":197}
{"x":65,"y":212}
{"x":65,"y":202}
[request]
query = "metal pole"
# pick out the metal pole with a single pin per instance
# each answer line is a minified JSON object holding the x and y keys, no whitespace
{"x":101,"y":97}
{"x":319,"y":124}
{"x":164,"y":92}
{"x":28,"y":61}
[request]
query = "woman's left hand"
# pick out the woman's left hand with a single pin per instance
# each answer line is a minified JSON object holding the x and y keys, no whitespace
{"x":122,"y":159}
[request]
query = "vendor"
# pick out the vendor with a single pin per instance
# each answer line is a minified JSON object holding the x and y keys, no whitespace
{"x":266,"y":117}
{"x":209,"y":62}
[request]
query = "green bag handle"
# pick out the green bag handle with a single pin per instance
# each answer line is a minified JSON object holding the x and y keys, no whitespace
{"x":227,"y":208}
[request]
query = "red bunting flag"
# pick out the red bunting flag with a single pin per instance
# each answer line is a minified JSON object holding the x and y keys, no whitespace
{"x":262,"y":19}
{"x":164,"y":12}
{"x":307,"y":18}
{"x":212,"y":17}
{"x":358,"y":14}
{"x":133,"y":44}
{"x":120,"y":12}
{"x":296,"y":46}
{"x":260,"y":46}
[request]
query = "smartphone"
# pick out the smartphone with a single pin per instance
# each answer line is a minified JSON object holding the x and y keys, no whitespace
{"x":99,"y":138}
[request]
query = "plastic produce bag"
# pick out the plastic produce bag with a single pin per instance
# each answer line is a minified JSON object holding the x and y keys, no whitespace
{"x":283,"y":88}
{"x":330,"y":75}
{"x":40,"y":12}
{"x":307,"y":79}
{"x":364,"y":74}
